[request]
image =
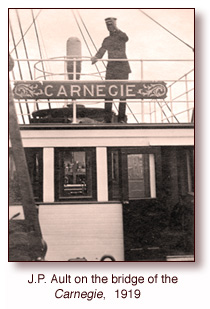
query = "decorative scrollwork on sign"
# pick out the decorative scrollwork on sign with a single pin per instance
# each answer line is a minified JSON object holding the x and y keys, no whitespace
{"x":153,"y":90}
{"x":27,"y":90}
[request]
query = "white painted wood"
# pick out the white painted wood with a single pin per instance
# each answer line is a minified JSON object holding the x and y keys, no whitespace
{"x":48,"y":175}
{"x":152,"y":175}
{"x":82,"y":230}
{"x":105,"y":138}
{"x":102,"y":174}
{"x":109,"y":142}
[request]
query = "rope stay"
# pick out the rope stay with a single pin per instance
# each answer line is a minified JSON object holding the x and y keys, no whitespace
{"x":38,"y":41}
{"x":166,"y":29}
{"x":161,"y":107}
{"x":25,"y":32}
{"x":15,"y":48}
{"x":40,"y":52}
{"x":47,"y":64}
{"x":89,"y":35}
{"x":24,"y":44}
{"x":26,"y":53}
{"x":20,"y":71}
{"x":84,"y":39}
{"x":173,"y":115}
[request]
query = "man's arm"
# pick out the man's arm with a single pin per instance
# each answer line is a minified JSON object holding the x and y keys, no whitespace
{"x":99,"y":54}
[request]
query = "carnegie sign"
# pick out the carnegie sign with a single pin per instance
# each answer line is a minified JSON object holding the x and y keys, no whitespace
{"x":90,"y":90}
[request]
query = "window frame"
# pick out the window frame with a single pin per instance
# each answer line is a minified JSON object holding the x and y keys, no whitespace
{"x":123,"y":172}
{"x":57,"y":181}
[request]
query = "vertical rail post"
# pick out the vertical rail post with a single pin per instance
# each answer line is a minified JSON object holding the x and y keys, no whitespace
{"x":152,"y":175}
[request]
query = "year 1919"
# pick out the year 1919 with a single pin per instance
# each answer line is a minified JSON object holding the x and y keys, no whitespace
{"x":130,"y":294}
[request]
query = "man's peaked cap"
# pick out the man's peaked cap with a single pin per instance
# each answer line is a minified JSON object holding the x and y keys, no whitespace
{"x":109,"y":20}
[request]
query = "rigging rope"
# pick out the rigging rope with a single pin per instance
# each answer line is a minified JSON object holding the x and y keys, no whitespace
{"x":84,"y":39}
{"x":20,"y":72}
{"x":38,"y":41}
{"x":40,"y":52}
{"x":89,"y":35}
{"x":25,"y":32}
{"x":166,"y":29}
{"x":15,"y":49}
{"x":173,"y":115}
{"x":132,"y":112}
{"x":29,"y":67}
{"x":24,"y":43}
{"x":162,"y":110}
{"x":45,"y":50}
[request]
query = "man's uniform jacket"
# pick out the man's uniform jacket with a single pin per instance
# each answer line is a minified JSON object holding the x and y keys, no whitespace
{"x":115,"y":45}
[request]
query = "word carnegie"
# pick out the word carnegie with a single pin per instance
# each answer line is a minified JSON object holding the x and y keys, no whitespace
{"x":89,"y":90}
{"x":90,"y":295}
{"x":92,"y":91}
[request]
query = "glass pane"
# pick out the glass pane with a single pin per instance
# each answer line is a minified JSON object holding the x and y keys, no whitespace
{"x":115,"y":174}
{"x":138,"y":176}
{"x":75,"y":173}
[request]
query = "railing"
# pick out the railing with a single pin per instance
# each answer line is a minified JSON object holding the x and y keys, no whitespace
{"x":178,"y":74}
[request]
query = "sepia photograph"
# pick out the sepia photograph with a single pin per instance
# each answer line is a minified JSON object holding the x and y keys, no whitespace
{"x":101,"y":135}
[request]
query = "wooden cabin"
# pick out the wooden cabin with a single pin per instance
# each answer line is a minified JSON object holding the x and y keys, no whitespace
{"x":122,"y":190}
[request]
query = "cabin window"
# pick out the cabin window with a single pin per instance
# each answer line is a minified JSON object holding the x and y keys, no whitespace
{"x":138,"y":176}
{"x":75,"y":173}
{"x":34,"y":158}
{"x":131,"y":174}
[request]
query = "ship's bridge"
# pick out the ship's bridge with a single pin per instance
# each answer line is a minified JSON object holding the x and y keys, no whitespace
{"x":158,"y":91}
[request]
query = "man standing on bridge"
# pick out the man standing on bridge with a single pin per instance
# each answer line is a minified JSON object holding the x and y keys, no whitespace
{"x":114,"y":44}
